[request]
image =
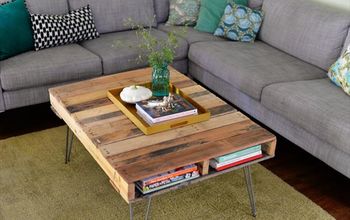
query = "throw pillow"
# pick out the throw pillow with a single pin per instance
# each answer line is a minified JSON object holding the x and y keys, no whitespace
{"x":211,"y":12}
{"x":56,"y":30}
{"x":4,"y":3}
{"x":239,"y":23}
{"x":16,"y":35}
{"x":339,"y":72}
{"x":183,"y":12}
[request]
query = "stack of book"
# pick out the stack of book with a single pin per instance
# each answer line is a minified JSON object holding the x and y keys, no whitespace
{"x":236,"y":158}
{"x":157,"y":110}
{"x":168,"y":179}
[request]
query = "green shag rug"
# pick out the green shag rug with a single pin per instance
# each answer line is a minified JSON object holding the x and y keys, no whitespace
{"x":36,"y":184}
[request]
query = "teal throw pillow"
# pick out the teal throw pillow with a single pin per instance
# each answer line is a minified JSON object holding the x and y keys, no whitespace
{"x":16,"y":35}
{"x":210,"y":13}
{"x":239,"y":23}
{"x":339,"y":72}
{"x":183,"y":12}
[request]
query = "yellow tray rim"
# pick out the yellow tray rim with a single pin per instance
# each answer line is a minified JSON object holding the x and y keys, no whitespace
{"x":129,"y":110}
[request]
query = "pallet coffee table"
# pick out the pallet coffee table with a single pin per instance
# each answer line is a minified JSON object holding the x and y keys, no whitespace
{"x":127,"y":155}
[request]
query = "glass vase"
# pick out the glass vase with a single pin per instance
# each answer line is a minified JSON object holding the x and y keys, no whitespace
{"x":160,"y":80}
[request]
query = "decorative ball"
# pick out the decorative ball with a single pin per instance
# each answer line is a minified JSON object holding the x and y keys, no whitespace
{"x":133,"y":94}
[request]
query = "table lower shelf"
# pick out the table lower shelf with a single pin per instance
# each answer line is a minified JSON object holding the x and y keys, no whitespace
{"x":212,"y":173}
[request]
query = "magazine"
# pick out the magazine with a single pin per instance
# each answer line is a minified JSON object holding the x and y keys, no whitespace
{"x":237,"y":154}
{"x":169,"y":174}
{"x":234,"y":162}
{"x":167,"y":183}
{"x":239,"y":162}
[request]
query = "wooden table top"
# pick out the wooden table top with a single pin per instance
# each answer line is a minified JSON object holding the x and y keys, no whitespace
{"x":126,"y":154}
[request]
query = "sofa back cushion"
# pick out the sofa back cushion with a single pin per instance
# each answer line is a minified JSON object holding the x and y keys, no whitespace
{"x":308,"y":30}
{"x":347,"y":43}
{"x":51,"y":7}
{"x":161,"y":8}
{"x":110,"y":15}
{"x":255,"y":4}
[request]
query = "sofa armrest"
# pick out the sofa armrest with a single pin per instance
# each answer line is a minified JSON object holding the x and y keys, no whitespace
{"x":2,"y":102}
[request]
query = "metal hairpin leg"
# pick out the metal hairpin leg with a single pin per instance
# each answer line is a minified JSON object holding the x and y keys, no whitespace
{"x":148,"y":207}
{"x":131,"y":209}
{"x":69,"y":143}
{"x":249,"y":183}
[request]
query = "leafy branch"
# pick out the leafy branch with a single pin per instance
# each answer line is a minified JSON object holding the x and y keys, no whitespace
{"x":156,"y":51}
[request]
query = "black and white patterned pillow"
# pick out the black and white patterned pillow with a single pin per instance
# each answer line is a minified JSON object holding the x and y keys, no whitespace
{"x":56,"y":30}
{"x":4,"y":3}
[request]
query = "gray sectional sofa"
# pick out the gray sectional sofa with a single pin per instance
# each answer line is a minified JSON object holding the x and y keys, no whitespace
{"x":280,"y":80}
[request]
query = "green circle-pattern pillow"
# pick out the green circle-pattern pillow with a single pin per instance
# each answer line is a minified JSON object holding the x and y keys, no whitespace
{"x":339,"y":72}
{"x":183,"y":12}
{"x":239,"y":23}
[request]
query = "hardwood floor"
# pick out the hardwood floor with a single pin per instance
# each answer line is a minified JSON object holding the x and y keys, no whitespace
{"x":305,"y":173}
{"x":310,"y":176}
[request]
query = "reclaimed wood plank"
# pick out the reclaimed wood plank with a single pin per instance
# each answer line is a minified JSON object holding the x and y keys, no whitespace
{"x":181,"y":143}
{"x":204,"y":167}
{"x":144,"y":141}
{"x":110,"y":82}
{"x":95,"y":112}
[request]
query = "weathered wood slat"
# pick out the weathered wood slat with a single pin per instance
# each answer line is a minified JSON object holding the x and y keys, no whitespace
{"x":180,"y":143}
{"x":95,"y":112}
{"x":109,"y":82}
{"x":145,"y":141}
{"x":88,"y":105}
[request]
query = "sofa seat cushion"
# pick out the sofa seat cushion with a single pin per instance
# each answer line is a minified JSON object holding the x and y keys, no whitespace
{"x":49,"y":66}
{"x":318,"y":106}
{"x":250,"y":67}
{"x":117,"y":55}
{"x":191,"y":35}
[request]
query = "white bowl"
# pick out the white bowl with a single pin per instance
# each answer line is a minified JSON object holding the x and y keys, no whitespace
{"x":133,"y":94}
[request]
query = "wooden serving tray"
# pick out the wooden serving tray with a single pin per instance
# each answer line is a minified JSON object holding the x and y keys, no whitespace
{"x":130,"y":111}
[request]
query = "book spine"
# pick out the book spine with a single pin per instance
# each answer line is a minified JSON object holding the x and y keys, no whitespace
{"x":142,"y":112}
{"x":238,"y":154}
{"x":168,"y":172}
{"x":171,"y":175}
{"x":146,"y":190}
{"x":164,"y":118}
{"x":175,"y":116}
{"x":144,"y":117}
{"x":239,"y":162}
{"x":215,"y":164}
